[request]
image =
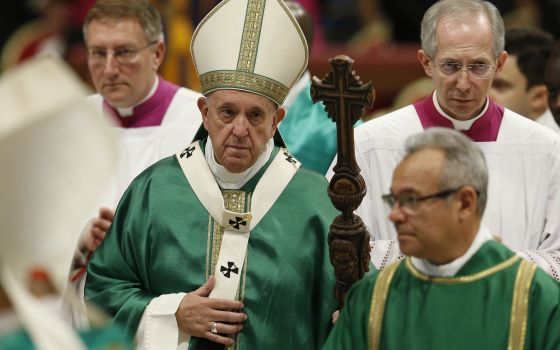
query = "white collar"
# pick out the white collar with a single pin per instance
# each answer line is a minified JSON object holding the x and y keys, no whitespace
{"x":459,"y":124}
{"x":129,"y":111}
{"x":234,"y":181}
{"x":450,"y":269}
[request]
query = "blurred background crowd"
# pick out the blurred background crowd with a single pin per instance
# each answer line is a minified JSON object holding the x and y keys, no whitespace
{"x":382,"y":37}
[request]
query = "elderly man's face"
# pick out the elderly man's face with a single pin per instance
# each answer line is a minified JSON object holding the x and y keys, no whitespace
{"x":466,"y":41}
{"x":124,"y":79}
{"x":425,"y":229}
{"x":239,"y":124}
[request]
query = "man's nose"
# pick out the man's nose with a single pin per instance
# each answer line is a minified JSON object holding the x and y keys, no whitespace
{"x":396,"y":214}
{"x":111,"y":65}
{"x":463,"y":80}
{"x":240,"y":126}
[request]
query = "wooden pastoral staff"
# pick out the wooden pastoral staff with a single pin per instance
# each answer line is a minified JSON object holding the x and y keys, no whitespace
{"x":344,"y":97}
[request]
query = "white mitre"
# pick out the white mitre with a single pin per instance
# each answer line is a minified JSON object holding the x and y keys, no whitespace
{"x":250,"y":45}
{"x":55,"y":154}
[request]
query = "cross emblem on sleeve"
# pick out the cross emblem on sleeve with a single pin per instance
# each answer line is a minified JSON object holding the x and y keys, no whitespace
{"x":238,"y":221}
{"x":290,"y":158}
{"x":188,"y":152}
{"x":231,"y":268}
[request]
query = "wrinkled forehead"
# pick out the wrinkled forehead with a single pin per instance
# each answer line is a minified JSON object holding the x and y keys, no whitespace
{"x":240,"y":98}
{"x":464,"y":36}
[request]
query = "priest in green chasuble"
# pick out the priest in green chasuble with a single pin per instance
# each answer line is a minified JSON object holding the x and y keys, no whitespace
{"x":224,"y":244}
{"x":457,"y":288}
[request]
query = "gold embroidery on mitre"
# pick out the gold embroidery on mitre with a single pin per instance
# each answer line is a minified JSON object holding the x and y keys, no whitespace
{"x":251,"y":35}
{"x":229,"y":79}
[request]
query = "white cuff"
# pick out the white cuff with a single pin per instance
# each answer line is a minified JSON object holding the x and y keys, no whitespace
{"x":158,"y":327}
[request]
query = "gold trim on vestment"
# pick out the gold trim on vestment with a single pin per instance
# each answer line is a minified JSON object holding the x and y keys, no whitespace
{"x":248,"y":81}
{"x":251,"y":35}
{"x":520,"y":305}
{"x":461,"y":279}
{"x":378,"y":301}
{"x":209,"y":244}
{"x":241,"y":291}
{"x":234,"y":200}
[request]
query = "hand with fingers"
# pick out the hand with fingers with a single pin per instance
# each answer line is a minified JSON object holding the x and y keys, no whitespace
{"x":97,"y":229}
{"x":91,"y":237}
{"x":209,"y":318}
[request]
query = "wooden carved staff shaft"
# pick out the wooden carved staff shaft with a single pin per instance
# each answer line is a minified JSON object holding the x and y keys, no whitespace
{"x":344,"y":97}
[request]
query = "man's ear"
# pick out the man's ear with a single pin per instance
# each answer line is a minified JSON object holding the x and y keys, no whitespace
{"x":276,"y":119}
{"x":537,"y":97}
{"x":279,"y":115}
{"x":202,"y":104}
{"x":425,"y":62}
{"x":159,"y":54}
{"x":468,"y":202}
{"x":501,"y":61}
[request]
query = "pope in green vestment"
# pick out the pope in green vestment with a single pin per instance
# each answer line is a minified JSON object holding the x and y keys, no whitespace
{"x":163,"y":241}
{"x":472,"y":310}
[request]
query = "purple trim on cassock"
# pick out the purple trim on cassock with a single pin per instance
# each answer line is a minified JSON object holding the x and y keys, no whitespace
{"x":484,"y":129}
{"x":149,"y":112}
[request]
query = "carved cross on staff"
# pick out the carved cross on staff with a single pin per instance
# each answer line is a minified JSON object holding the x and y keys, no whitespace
{"x":344,"y":97}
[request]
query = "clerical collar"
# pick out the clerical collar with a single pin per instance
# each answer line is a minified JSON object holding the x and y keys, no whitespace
{"x":458,"y":124}
{"x":482,"y":128}
{"x":451,"y":269}
{"x":151,"y":111}
{"x":129,"y":111}
{"x":234,"y":181}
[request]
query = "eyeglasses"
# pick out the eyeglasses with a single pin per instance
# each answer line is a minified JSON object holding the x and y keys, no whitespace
{"x":475,"y":70}
{"x":124,"y":56}
{"x":411,"y":203}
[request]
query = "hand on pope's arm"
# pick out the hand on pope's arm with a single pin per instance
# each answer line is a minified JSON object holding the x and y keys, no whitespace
{"x":96,"y":230}
{"x":91,"y":237}
{"x":197,"y":313}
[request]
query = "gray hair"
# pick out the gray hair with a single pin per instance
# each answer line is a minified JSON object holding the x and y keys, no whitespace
{"x":114,"y":10}
{"x":460,"y":9}
{"x":464,"y":164}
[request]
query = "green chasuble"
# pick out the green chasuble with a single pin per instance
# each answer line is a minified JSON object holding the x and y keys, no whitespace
{"x":163,"y":240}
{"x":472,"y":310}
